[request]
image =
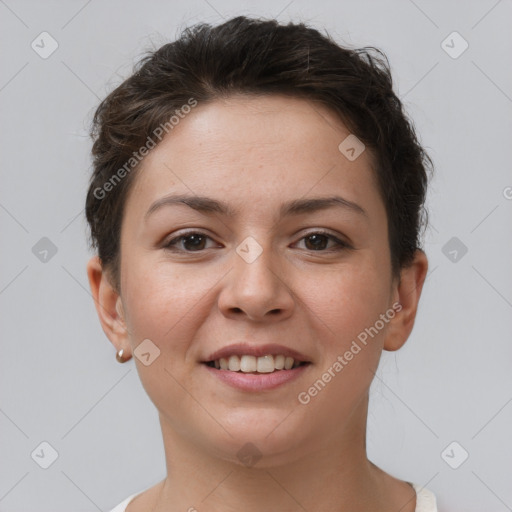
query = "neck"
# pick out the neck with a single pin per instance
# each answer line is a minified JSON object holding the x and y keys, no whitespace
{"x":334,"y":474}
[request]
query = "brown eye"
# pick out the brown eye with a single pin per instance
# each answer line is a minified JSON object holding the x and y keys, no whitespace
{"x":316,"y":242}
{"x":319,"y":241}
{"x":191,"y":242}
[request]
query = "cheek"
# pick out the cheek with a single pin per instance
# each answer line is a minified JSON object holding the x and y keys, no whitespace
{"x":166,"y":307}
{"x":160,"y":302}
{"x":345,"y":310}
{"x":348,"y":300}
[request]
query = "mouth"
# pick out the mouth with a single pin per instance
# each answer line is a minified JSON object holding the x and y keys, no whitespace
{"x":256,"y":365}
{"x":256,"y":368}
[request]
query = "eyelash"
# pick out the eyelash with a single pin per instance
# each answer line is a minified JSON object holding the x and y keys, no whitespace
{"x":171,"y":245}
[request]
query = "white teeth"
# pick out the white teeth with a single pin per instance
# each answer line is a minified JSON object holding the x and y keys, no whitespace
{"x":279,"y":362}
{"x":265,"y":364}
{"x":234,"y":363}
{"x":248,"y":364}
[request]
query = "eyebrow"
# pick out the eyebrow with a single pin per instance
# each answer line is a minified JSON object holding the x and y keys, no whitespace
{"x":296,"y":207}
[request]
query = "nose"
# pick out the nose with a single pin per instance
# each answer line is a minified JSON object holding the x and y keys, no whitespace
{"x":256,"y":289}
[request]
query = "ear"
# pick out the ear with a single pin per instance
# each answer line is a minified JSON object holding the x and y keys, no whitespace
{"x":406,"y":292}
{"x":108,"y":305}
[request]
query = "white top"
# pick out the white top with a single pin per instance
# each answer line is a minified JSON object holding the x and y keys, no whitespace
{"x":425,"y":501}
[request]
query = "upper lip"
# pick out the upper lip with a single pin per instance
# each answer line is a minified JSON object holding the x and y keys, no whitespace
{"x":243,"y":349}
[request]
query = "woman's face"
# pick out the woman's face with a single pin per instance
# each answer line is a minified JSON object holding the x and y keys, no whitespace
{"x":259,"y":267}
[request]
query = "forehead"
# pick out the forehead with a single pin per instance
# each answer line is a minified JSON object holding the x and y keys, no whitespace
{"x":254,"y":149}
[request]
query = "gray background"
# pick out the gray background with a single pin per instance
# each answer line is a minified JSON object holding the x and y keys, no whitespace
{"x":59,"y":379}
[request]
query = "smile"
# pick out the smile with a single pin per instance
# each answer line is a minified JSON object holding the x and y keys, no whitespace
{"x":252,"y":364}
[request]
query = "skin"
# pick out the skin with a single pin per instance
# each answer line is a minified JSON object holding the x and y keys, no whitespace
{"x":256,"y":153}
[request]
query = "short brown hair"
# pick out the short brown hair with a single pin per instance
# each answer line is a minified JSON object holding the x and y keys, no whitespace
{"x":255,"y":56}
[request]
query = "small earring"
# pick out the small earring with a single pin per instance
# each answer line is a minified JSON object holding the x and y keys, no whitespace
{"x":119,"y":356}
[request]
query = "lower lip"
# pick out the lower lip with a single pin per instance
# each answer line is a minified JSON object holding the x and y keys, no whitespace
{"x":257,"y":382}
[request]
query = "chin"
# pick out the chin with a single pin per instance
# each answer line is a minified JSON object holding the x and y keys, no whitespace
{"x":260,"y":438}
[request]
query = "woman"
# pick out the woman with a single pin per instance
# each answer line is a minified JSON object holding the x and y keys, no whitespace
{"x":256,"y":205}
